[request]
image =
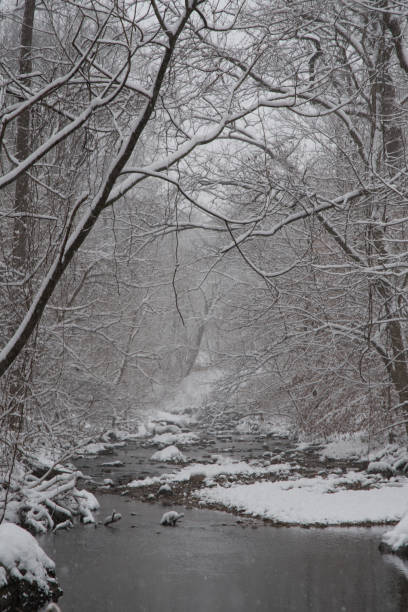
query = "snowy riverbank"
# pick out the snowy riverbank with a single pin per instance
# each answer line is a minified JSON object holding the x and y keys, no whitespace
{"x":337,"y":483}
{"x":27,"y":574}
{"x":252,"y":469}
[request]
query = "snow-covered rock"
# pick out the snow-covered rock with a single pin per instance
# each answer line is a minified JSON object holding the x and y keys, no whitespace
{"x":185,"y":439}
{"x":171,"y":454}
{"x":169,"y":519}
{"x":98,"y":448}
{"x":396,"y":540}
{"x":27,"y":574}
{"x":380,"y":467}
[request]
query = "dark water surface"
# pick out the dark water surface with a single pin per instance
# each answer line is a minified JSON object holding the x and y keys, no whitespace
{"x":209,"y":563}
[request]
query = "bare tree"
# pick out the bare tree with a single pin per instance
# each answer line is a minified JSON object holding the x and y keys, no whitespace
{"x":117,"y":66}
{"x":330,"y":82}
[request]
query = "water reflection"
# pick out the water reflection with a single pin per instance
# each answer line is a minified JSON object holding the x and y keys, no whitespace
{"x":209,"y":564}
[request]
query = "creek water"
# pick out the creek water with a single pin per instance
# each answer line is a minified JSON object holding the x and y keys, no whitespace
{"x":212,"y":561}
{"x":209,"y":563}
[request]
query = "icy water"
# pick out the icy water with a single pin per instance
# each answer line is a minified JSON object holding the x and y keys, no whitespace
{"x":210,"y":563}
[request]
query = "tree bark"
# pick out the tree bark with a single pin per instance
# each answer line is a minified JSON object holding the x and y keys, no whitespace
{"x":21,"y":231}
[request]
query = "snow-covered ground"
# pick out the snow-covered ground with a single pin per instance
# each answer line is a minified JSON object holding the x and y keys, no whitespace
{"x":314,"y":501}
{"x":345,"y":447}
{"x":329,"y":499}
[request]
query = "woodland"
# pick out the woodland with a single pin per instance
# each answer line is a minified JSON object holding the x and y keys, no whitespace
{"x":202,"y":185}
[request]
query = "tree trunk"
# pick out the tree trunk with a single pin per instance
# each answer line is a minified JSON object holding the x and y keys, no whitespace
{"x":21,"y":232}
{"x":20,"y":255}
{"x":393,"y":159}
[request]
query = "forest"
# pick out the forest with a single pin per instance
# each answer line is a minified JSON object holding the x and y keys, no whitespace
{"x":199,"y":190}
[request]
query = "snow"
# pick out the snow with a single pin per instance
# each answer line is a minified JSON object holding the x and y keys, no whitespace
{"x":379,"y":467}
{"x":224,"y":466}
{"x":169,"y":428}
{"x":181,"y":420}
{"x":21,"y":555}
{"x":116,"y":435}
{"x":3,"y":577}
{"x":175,"y":438}
{"x":170,"y":453}
{"x":141,"y":432}
{"x":345,"y":447}
{"x":87,"y":503}
{"x":47,"y":458}
{"x":268,"y":424}
{"x":314,"y":501}
{"x":232,"y":468}
{"x":148,"y":481}
{"x":35,"y":502}
{"x":95,"y":448}
{"x":170,"y":519}
{"x":398,"y":537}
{"x":89,"y":499}
{"x":112,"y":518}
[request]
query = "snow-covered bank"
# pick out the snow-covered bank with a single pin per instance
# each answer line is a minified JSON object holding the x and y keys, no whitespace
{"x":27,"y":574}
{"x":330,"y":487}
{"x":280,"y":493}
{"x":393,"y":457}
{"x":40,"y":504}
{"x":314,"y":501}
{"x":396,"y":540}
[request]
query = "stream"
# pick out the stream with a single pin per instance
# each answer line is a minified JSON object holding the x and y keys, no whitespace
{"x":214,"y":561}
